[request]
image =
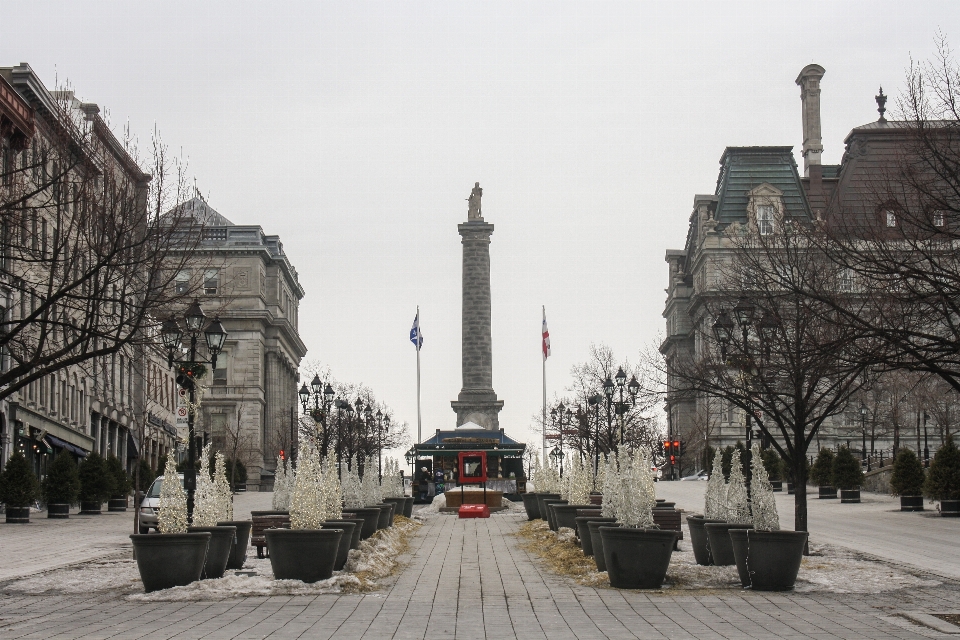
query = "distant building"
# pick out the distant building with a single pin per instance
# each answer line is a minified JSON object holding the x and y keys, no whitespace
{"x":246,"y":279}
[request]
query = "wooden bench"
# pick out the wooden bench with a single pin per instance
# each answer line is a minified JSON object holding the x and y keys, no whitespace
{"x":668,"y":519}
{"x":261,"y":524}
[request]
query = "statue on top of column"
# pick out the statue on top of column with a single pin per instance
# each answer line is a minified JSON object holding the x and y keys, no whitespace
{"x":473,"y":203}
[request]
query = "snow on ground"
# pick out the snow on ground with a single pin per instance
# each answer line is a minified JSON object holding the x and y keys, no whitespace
{"x":376,"y":559}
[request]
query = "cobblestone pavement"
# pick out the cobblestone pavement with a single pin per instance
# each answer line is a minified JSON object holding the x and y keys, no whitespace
{"x":469,"y":579}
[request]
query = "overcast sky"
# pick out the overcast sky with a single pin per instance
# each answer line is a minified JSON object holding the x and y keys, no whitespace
{"x":355,"y":131}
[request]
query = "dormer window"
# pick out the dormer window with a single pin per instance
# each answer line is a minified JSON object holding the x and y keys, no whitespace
{"x":891,"y":217}
{"x":765,"y":214}
{"x":938,"y":218}
{"x":765,"y":209}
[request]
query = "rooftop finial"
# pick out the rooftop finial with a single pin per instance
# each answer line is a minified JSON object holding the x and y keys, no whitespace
{"x":881,"y":101}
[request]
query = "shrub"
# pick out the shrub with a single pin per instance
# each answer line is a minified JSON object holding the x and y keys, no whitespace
{"x":847,"y":471}
{"x":907,"y":478}
{"x":821,"y":473}
{"x":161,"y":465}
{"x":706,"y":462}
{"x":18,"y":484}
{"x":96,"y":485}
{"x":241,"y":473}
{"x":62,"y":484}
{"x":943,"y":481}
{"x":725,"y":458}
{"x":146,"y":475}
{"x":771,"y":462}
{"x":121,"y":481}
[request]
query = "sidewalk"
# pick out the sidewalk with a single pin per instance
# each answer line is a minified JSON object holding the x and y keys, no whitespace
{"x":469,"y":579}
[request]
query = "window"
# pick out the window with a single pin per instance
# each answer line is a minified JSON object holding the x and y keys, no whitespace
{"x":938,"y":218}
{"x":845,"y":281}
{"x":220,"y":373}
{"x":211,"y":281}
{"x":765,"y":219}
{"x":182,"y":281}
{"x":891,"y":218}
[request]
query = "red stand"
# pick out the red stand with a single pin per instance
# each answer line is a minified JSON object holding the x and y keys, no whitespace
{"x":474,"y":511}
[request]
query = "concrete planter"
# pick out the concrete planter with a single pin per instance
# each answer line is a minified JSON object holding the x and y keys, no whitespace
{"x":551,"y":515}
{"x":565,"y":515}
{"x":303,"y":554}
{"x":826,"y":493}
{"x":637,"y":558}
{"x":768,"y":560}
{"x":950,"y":508}
{"x":849,"y":496}
{"x":542,"y":509}
{"x":58,"y":511}
{"x":117,"y":503}
{"x":531,"y":505}
{"x":386,"y":515}
{"x":90,"y":508}
{"x":238,"y":554}
{"x":720,"y":546}
{"x":911,"y":503}
{"x":586,"y":538}
{"x":345,"y":540}
{"x":398,"y":504}
{"x":355,"y":537}
{"x":222,"y":540}
{"x":18,"y":515}
{"x":408,"y":507}
{"x":371,"y":517}
{"x":699,"y":539}
{"x":168,"y":560}
{"x":597,"y":541}
{"x":777,"y":485}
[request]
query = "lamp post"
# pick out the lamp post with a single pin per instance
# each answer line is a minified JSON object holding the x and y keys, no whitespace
{"x":562,"y":417}
{"x":322,"y":395}
{"x":380,"y":445}
{"x":632,"y":389}
{"x":594,"y":401}
{"x":926,"y":444}
{"x":557,"y":458}
{"x":863,"y":429}
{"x":341,"y":406}
{"x":172,"y":336}
{"x":608,"y":393}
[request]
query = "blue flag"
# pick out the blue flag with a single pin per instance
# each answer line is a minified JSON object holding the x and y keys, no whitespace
{"x":415,"y":336}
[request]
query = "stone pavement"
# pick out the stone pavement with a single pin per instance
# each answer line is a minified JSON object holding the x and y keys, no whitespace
{"x":469,"y":579}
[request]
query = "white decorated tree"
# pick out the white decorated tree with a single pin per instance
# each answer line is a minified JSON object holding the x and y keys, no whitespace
{"x":350,"y":485}
{"x":172,"y":517}
{"x":765,"y":517}
{"x":638,"y":495}
{"x":222,"y":489}
{"x":537,"y":475}
{"x":332,"y":495}
{"x":307,"y":507}
{"x":611,"y":487}
{"x":715,"y":499}
{"x":738,"y":501}
{"x":205,"y":509}
{"x":370,"y":484}
{"x":580,"y":482}
{"x":281,"y":486}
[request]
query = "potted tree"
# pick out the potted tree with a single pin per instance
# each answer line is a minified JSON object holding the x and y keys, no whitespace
{"x":847,"y":476}
{"x":121,"y":485}
{"x":774,"y":468}
{"x":96,"y":485}
{"x":238,"y":551}
{"x":821,"y":473}
{"x":173,"y":557}
{"x":636,"y":554}
{"x":575,"y":490}
{"x":714,"y":511}
{"x":305,"y":551}
{"x":530,"y":497}
{"x":768,"y":559}
{"x":737,"y":516}
{"x":352,"y":494}
{"x":61,"y":486}
{"x":18,"y":488}
{"x":907,"y":480}
{"x":210,"y":509}
{"x":943,"y":480}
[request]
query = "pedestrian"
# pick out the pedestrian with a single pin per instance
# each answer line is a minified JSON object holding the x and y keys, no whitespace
{"x":439,"y":479}
{"x":424,"y":483}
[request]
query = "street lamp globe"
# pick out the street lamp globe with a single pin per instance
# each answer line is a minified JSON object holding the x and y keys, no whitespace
{"x":171,"y":334}
{"x":215,"y":336}
{"x":316,"y":385}
{"x":411,"y":456}
{"x":304,"y":394}
{"x":621,"y":377}
{"x":608,"y":387}
{"x":744,"y":311}
{"x":194,"y":317}
{"x":634,"y":386}
{"x":328,"y":393}
{"x":723,"y":327}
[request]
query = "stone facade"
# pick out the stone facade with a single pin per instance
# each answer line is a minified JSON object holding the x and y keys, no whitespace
{"x":477,"y":401}
{"x":247,"y":280}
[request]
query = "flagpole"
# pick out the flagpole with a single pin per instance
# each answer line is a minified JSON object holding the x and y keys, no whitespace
{"x":419,"y":427}
{"x":543,"y":425}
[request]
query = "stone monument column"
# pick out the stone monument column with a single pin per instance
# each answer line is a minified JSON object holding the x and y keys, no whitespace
{"x":477,"y":401}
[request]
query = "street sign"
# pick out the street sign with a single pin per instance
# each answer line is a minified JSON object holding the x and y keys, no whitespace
{"x":182,"y":408}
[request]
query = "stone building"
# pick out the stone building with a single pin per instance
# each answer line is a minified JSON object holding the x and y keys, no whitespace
{"x":114,"y":405}
{"x":757,"y":188}
{"x":250,"y":401}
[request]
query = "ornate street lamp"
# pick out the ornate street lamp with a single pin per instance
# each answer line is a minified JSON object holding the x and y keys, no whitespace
{"x":863,"y":429}
{"x":172,"y":336}
{"x":322,"y":399}
{"x":723,"y":329}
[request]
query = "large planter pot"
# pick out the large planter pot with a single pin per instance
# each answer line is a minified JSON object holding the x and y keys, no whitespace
{"x":531,"y":505}
{"x":777,"y":485}
{"x":238,"y":553}
{"x":371,"y":517}
{"x":303,"y":554}
{"x":90,"y":508}
{"x":583,"y":513}
{"x":355,"y":537}
{"x":168,"y":560}
{"x":397,"y":507}
{"x":637,"y":558}
{"x":849,"y":496}
{"x":596,"y":498}
{"x":408,"y":507}
{"x":386,"y":515}
{"x":768,"y":560}
{"x":269,"y":513}
{"x":117,"y":503}
{"x":911,"y":503}
{"x":565,"y":515}
{"x":790,"y":489}
{"x":586,"y":538}
{"x":18,"y":515}
{"x":699,"y":539}
{"x":720,"y":547}
{"x":345,"y":540}
{"x":950,"y":508}
{"x":222,"y":540}
{"x":541,"y":507}
{"x":666,"y":505}
{"x":57,"y":510}
{"x":597,"y":541}
{"x":551,"y":515}
{"x":827,"y":493}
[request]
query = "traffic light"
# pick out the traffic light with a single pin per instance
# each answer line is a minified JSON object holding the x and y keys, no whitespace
{"x":673,"y":460}
{"x":282,"y":456}
{"x":676,"y":447}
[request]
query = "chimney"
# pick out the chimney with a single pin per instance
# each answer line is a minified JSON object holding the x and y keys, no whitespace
{"x":809,"y":82}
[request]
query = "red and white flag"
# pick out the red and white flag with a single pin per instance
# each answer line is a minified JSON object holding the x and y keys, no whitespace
{"x":546,"y":336}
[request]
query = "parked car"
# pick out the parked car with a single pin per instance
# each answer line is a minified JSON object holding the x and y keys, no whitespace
{"x":700,"y":475}
{"x":150,"y":507}
{"x":657,"y":473}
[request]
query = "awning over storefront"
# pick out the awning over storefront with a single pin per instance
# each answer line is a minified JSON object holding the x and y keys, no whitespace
{"x":57,"y":442}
